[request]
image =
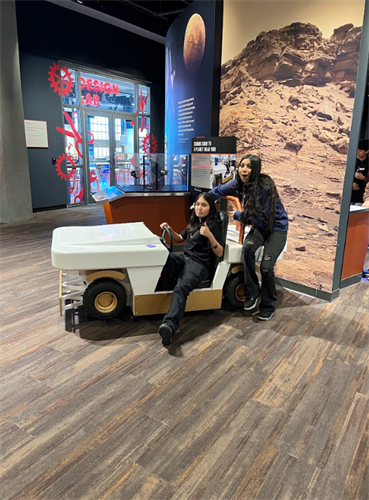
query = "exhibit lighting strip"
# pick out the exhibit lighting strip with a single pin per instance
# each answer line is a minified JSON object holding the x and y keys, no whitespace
{"x":101,"y":16}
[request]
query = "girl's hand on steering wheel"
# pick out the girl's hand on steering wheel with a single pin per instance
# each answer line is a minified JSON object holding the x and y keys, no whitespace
{"x":165,"y":224}
{"x":205,"y":231}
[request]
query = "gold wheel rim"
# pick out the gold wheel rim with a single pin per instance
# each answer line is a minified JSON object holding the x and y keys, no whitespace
{"x":240,"y":293}
{"x":106,"y":302}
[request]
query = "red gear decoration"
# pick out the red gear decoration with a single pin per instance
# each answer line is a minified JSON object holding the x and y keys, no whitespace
{"x":154,"y":144}
{"x":58,"y":163}
{"x":149,"y":144}
{"x":60,"y":84}
{"x":70,"y":175}
{"x":79,"y":196}
{"x":93,"y":177}
{"x":146,"y":144}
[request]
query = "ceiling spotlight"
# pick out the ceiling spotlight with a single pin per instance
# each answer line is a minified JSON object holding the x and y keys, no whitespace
{"x":80,"y":1}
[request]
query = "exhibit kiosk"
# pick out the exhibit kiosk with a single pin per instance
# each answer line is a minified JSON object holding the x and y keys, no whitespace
{"x":357,"y":241}
{"x":153,"y":190}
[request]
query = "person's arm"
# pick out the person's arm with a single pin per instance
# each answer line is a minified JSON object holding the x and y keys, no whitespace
{"x":176,"y":237}
{"x":366,"y":196}
{"x":360,"y":176}
{"x":264,"y":197}
{"x":236,"y":214}
{"x":214,"y":244}
{"x":228,"y":189}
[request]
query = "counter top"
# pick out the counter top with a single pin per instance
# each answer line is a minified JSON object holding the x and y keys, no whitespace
{"x":357,"y":209}
{"x":155,"y":193}
{"x":115,"y":193}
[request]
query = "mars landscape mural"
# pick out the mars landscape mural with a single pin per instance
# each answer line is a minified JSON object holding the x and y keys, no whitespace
{"x":288,"y":96}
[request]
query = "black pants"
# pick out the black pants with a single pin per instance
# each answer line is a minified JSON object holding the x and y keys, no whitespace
{"x":184,"y":275}
{"x":273,"y":245}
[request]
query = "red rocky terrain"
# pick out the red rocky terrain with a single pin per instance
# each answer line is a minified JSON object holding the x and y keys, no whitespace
{"x":288,"y":97}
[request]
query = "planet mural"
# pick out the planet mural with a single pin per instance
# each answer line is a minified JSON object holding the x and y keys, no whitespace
{"x":194,"y":42}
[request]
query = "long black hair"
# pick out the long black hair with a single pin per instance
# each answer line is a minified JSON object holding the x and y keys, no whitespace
{"x":194,"y":223}
{"x":249,"y":194}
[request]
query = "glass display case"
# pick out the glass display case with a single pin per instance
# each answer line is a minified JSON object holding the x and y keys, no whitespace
{"x":108,"y":142}
{"x":151,"y":172}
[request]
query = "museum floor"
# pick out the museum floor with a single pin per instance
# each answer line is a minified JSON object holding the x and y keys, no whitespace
{"x":235,"y":409}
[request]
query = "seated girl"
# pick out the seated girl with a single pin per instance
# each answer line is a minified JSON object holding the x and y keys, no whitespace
{"x":186,"y":271}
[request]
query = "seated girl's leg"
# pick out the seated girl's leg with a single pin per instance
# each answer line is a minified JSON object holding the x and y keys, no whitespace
{"x":272,"y":249}
{"x":193,"y":274}
{"x":251,"y":243}
{"x":172,"y":269}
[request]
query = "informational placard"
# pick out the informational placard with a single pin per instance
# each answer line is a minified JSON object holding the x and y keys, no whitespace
{"x":109,"y":194}
{"x":200,"y":170}
{"x":213,"y":161}
{"x":36,"y":134}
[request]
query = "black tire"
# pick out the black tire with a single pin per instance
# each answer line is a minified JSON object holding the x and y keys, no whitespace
{"x":104,"y":299}
{"x":233,"y":292}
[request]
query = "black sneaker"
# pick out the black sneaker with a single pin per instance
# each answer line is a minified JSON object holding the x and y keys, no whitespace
{"x":250,"y":303}
{"x":166,"y":333}
{"x":265,"y":316}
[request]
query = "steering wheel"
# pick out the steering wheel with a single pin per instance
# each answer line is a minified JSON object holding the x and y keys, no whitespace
{"x":162,"y":239}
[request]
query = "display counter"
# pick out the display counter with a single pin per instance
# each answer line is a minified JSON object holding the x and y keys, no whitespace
{"x":146,"y":190}
{"x":150,"y":208}
{"x":357,"y":240}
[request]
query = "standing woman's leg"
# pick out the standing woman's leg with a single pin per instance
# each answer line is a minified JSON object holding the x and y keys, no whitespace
{"x":272,"y":249}
{"x":251,"y":243}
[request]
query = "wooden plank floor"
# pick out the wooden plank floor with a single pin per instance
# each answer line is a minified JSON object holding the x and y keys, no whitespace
{"x":236,"y":409}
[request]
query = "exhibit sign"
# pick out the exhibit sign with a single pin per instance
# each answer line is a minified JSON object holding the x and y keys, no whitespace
{"x":36,"y":134}
{"x":213,"y":161}
{"x":96,"y":88}
{"x":189,"y":49}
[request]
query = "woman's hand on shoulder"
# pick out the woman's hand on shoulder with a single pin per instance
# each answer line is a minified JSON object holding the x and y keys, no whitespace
{"x":205,"y":231}
{"x":165,"y":224}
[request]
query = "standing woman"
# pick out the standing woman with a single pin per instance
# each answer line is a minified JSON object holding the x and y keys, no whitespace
{"x":264,"y":211}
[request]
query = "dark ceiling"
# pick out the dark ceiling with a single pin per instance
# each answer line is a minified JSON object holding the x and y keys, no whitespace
{"x":153,"y":15}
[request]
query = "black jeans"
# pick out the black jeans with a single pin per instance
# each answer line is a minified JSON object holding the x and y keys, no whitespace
{"x":184,"y":275}
{"x":273,"y":245}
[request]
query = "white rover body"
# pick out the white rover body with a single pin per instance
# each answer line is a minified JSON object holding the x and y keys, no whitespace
{"x":106,"y":268}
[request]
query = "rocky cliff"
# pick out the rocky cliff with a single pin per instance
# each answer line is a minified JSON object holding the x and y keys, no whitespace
{"x":298,"y":54}
{"x":289,"y":98}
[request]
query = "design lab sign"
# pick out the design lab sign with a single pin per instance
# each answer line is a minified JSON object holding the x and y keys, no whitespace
{"x":95,"y":88}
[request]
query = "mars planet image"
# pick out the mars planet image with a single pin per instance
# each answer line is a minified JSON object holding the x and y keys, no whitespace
{"x":194,"y":42}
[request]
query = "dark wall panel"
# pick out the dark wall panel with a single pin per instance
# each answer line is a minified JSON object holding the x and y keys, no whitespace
{"x":41,"y":103}
{"x":56,"y":32}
